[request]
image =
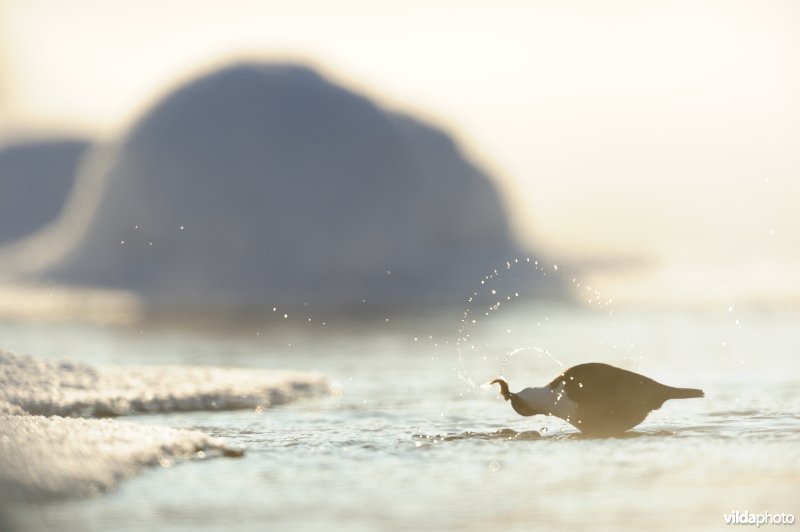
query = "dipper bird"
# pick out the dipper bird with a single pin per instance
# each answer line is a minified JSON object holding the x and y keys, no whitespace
{"x":597,"y":399}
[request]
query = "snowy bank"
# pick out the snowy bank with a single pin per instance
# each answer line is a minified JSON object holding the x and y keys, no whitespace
{"x":43,"y":458}
{"x":67,"y":388}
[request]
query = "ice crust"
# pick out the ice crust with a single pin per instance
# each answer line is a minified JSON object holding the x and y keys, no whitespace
{"x":44,"y":458}
{"x":50,"y":450}
{"x":68,"y":388}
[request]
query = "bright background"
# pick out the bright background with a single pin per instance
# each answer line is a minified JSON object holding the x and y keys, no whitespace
{"x":654,"y":146}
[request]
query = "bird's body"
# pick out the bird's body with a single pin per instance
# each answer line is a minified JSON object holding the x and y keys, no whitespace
{"x":597,"y":399}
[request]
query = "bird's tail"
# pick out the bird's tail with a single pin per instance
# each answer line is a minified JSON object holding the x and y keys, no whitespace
{"x":685,"y":393}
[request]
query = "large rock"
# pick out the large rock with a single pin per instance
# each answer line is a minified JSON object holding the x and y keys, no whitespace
{"x":263,"y":185}
{"x":35,"y":179}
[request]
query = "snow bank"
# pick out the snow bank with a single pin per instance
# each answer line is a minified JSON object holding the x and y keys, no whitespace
{"x":67,"y":388}
{"x":44,"y":458}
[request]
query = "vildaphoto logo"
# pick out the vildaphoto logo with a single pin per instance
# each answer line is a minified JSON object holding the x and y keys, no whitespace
{"x":764,"y":518}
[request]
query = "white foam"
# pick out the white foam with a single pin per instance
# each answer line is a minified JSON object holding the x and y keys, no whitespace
{"x":44,"y":458}
{"x":68,"y":388}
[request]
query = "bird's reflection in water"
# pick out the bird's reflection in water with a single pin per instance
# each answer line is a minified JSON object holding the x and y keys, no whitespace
{"x":527,"y":435}
{"x":624,"y":436}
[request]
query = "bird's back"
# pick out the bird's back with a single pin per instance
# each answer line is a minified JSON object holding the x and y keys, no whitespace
{"x":612,"y":400}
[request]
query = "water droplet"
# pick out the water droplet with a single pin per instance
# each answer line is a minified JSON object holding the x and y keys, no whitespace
{"x":285,"y":316}
{"x":121,"y":242}
{"x":555,"y":266}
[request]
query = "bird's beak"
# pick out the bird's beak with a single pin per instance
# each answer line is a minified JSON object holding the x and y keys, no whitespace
{"x":503,"y":388}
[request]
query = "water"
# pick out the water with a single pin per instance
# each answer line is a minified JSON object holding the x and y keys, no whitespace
{"x":410,"y":439}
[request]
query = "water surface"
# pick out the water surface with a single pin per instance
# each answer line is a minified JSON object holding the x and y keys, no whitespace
{"x":407,"y":442}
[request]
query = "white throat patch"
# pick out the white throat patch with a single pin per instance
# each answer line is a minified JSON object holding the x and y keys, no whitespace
{"x":553,"y":402}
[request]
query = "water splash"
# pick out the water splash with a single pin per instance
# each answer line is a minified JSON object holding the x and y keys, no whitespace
{"x":491,"y":297}
{"x":540,"y":351}
{"x":477,"y":310}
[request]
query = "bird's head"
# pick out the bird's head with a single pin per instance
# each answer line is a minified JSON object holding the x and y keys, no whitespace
{"x":517,"y":403}
{"x":503,"y":388}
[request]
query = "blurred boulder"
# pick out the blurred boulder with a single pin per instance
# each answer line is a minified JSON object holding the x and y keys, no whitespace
{"x":262,"y":184}
{"x":35,"y":179}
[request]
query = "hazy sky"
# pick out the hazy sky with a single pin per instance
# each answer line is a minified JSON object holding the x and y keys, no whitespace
{"x":662,"y":131}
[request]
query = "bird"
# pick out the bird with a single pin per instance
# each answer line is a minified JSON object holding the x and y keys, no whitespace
{"x":598,"y":399}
